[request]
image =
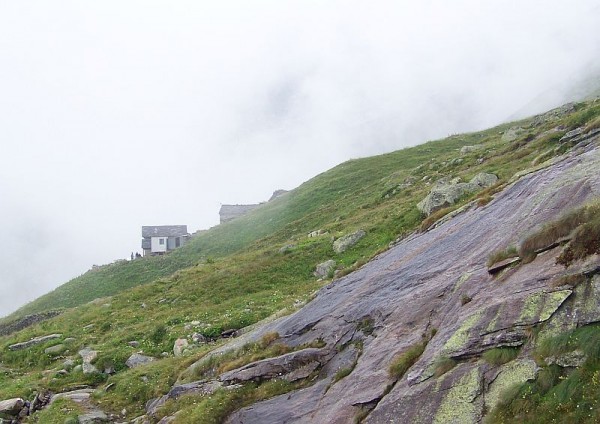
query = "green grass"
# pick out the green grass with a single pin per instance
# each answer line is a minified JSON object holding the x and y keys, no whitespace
{"x":62,"y":411}
{"x":500,"y":255}
{"x":500,"y":355}
{"x":406,"y":359}
{"x":233,"y":275}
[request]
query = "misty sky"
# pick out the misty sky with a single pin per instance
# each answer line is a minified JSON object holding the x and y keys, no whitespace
{"x":118,"y":114}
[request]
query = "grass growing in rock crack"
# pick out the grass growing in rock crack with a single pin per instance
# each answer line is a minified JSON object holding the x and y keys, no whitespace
{"x":500,"y":255}
{"x":581,"y":224}
{"x":406,"y":359}
{"x":500,"y":355}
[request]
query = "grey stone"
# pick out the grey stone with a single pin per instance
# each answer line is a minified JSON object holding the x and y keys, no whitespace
{"x":179,"y":346}
{"x":344,"y":243}
{"x":88,"y":356}
{"x":138,"y":359}
{"x":324,"y":268}
{"x":11,"y":407}
{"x":93,"y":417}
{"x":134,"y":343}
{"x":68,"y":363}
{"x":55,"y":350}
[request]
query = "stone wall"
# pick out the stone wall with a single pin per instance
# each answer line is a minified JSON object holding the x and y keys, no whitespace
{"x":14,"y":326}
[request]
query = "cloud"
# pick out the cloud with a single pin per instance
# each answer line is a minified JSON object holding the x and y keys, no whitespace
{"x":116,"y":115}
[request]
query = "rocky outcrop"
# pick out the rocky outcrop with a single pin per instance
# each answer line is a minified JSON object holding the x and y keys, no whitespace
{"x":446,"y":192}
{"x":411,"y":295}
{"x":344,"y":243}
{"x":34,"y":341}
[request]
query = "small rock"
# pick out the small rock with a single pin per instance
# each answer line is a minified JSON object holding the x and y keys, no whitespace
{"x":78,"y":368}
{"x":69,"y":340}
{"x":179,"y":346}
{"x":199,"y":338}
{"x":229,"y":333}
{"x":134,"y":343}
{"x":68,"y":364}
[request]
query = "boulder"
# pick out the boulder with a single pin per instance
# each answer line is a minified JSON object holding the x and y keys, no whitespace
{"x":34,"y":341}
{"x":11,"y":407}
{"x":446,"y":192}
{"x":344,"y":243}
{"x":138,"y":359}
{"x":179,"y":346}
{"x":324,"y":268}
{"x":88,"y":356}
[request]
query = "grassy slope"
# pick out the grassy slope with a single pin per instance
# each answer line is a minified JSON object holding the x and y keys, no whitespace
{"x":234,"y":274}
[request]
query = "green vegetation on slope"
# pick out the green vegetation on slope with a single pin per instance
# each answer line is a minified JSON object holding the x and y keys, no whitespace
{"x":234,"y":275}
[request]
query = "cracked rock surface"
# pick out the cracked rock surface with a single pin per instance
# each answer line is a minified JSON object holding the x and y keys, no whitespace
{"x":412,"y":293}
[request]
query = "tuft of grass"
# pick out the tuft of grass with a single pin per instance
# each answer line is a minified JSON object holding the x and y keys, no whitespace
{"x":403,"y":361}
{"x":343,"y":372}
{"x":500,"y":255}
{"x":500,"y":355}
{"x":442,"y":365}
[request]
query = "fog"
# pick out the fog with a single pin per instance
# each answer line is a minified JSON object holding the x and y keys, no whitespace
{"x":118,"y":114}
